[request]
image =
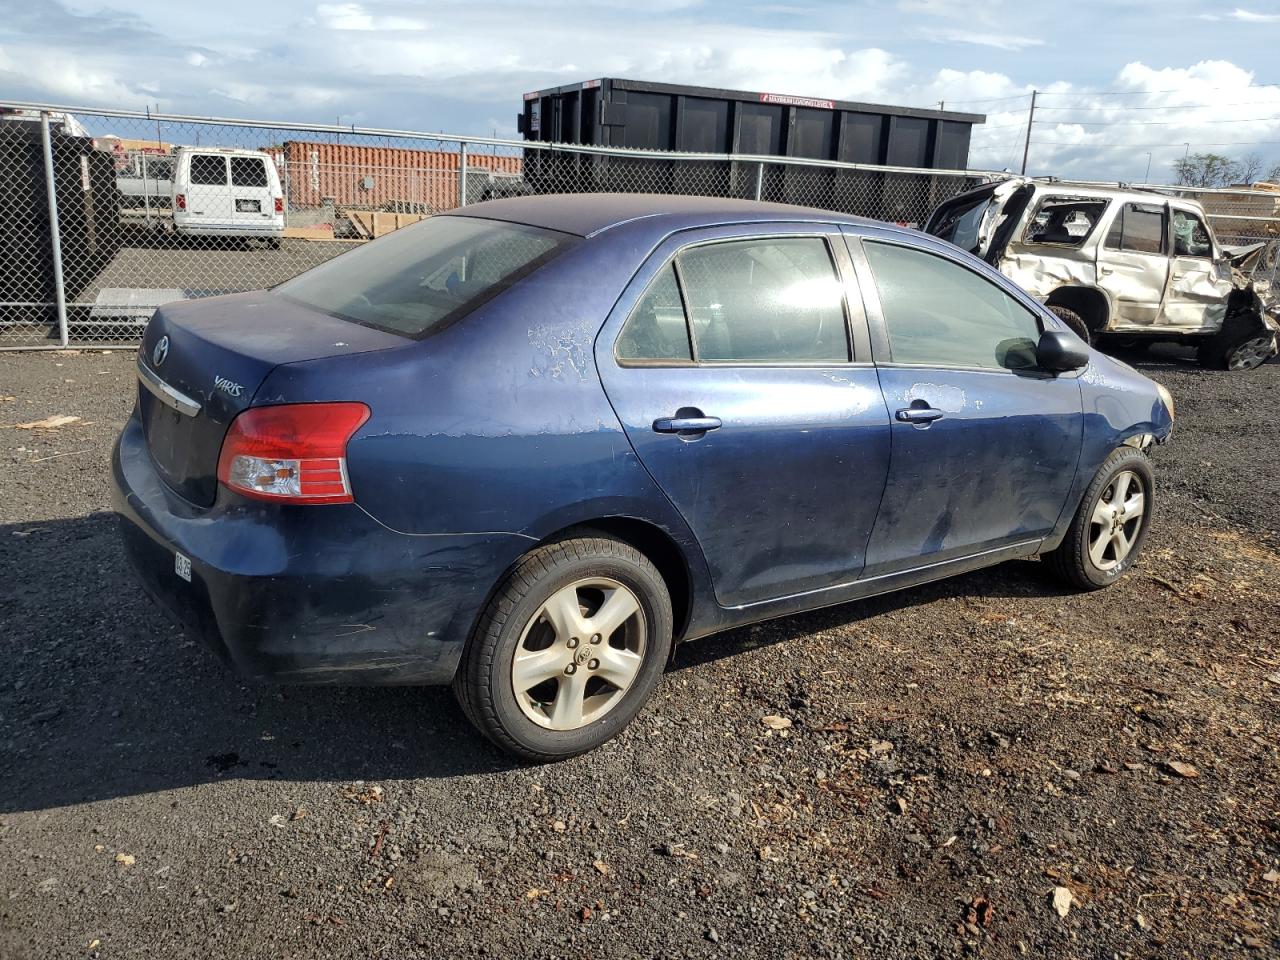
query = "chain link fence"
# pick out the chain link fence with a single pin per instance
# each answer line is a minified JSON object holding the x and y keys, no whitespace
{"x":109,"y":213}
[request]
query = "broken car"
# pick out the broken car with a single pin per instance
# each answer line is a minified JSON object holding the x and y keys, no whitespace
{"x":1115,"y":263}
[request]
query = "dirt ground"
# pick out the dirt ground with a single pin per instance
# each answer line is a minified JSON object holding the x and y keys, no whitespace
{"x":960,"y":758}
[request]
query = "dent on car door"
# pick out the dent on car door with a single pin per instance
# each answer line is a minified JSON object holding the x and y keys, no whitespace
{"x":731,"y":366}
{"x":1196,"y":297}
{"x":985,"y":446}
{"x":1133,"y":264}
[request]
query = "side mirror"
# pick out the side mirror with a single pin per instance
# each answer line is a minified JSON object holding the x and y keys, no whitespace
{"x":1059,"y":351}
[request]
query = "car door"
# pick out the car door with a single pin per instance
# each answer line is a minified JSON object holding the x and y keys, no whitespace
{"x":1133,"y":264}
{"x":985,"y":446}
{"x":1196,"y":296}
{"x":741,"y":372}
{"x":251,"y":201}
{"x":208,"y":189}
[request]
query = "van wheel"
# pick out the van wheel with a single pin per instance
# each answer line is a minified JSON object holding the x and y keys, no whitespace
{"x":569,"y":649}
{"x":1074,"y":321}
{"x":1110,"y":525}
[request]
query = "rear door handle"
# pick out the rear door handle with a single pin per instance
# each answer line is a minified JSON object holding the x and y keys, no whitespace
{"x":686,"y":424}
{"x":919,"y":415}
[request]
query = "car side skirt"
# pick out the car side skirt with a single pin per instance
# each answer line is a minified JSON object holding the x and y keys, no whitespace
{"x":731,"y":617}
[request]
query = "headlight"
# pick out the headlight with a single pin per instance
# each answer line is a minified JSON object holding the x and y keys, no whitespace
{"x":1167,"y":397}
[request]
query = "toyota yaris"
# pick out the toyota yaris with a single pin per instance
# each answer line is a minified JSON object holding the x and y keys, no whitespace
{"x":526,"y":447}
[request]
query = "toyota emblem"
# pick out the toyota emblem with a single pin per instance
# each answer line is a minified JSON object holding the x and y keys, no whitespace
{"x":161,"y":351}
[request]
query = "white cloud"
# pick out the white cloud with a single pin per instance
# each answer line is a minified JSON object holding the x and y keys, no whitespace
{"x":998,"y":39}
{"x":1248,"y":16}
{"x":353,"y":16}
{"x":64,"y":77}
{"x":195,"y":58}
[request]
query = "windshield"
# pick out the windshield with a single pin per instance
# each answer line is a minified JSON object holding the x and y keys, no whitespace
{"x":423,"y":277}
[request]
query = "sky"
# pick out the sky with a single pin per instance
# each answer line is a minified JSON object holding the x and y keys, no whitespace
{"x":1118,"y":80}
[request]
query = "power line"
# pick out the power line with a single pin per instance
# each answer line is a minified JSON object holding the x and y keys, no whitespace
{"x":1144,"y":93}
{"x":1170,"y":106}
{"x":1016,"y":96}
{"x":1157,"y":146}
{"x":1158,"y":123}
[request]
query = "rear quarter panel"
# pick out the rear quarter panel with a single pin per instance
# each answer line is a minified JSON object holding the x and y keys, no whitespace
{"x":497,"y":423}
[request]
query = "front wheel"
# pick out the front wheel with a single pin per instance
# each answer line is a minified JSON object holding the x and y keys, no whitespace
{"x":1108,"y":530}
{"x":569,"y":649}
{"x":1074,"y":321}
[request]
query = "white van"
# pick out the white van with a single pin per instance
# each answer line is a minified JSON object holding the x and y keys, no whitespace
{"x":227,"y":193}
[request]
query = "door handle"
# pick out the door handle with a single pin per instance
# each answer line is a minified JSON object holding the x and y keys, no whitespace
{"x":1104,"y":271}
{"x":686,"y":424}
{"x":920,"y":416}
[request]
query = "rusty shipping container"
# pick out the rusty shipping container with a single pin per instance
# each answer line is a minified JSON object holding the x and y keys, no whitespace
{"x":385,"y":178}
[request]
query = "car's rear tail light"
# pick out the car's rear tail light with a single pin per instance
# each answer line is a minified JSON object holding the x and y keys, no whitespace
{"x":279,"y":204}
{"x":180,"y":201}
{"x":295,"y":452}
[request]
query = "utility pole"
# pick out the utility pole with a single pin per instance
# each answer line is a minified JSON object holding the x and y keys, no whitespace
{"x":1031,"y":118}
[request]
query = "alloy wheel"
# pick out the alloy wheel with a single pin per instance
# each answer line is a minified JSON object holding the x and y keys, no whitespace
{"x":1251,"y":354}
{"x":1116,"y":520}
{"x":579,"y":654}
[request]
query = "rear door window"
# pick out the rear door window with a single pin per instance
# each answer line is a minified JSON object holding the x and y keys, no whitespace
{"x":420,"y":278}
{"x":248,"y":172}
{"x":208,"y":170}
{"x":1138,"y":228}
{"x":777,"y":300}
{"x":656,"y":329}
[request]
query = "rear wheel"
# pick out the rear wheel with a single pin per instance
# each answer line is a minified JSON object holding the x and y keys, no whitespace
{"x":1250,"y":353}
{"x":1108,"y":530}
{"x":569,"y":649}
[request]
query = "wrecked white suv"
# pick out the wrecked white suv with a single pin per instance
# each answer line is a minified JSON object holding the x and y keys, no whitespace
{"x":1117,"y":263}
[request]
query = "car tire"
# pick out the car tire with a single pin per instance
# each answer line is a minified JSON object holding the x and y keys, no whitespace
{"x":1078,"y":561}
{"x":528,"y":632}
{"x":1074,"y":321}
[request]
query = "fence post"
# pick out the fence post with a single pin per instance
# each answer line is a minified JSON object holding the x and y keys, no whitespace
{"x":462,"y":174}
{"x":55,"y":236}
{"x":759,"y":180}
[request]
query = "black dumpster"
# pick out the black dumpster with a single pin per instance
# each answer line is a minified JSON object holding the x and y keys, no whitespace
{"x":88,"y":216}
{"x":670,"y":117}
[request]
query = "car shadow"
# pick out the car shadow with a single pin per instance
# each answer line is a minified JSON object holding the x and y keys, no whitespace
{"x":1011,"y":581}
{"x":102,"y":697}
{"x":1159,"y":356}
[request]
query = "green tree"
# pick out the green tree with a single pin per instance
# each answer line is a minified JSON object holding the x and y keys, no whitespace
{"x":1215,"y":170}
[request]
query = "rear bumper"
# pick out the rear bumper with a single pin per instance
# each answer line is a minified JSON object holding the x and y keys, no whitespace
{"x":229,"y":228}
{"x":305,"y":594}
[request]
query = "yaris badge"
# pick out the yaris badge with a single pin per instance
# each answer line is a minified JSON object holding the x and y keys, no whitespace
{"x":229,"y":387}
{"x":161,"y":351}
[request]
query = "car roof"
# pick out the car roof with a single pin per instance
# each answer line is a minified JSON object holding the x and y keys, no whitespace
{"x":1103,"y":192}
{"x":587,"y":214}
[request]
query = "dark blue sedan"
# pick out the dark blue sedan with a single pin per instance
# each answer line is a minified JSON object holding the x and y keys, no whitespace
{"x":527,"y":446}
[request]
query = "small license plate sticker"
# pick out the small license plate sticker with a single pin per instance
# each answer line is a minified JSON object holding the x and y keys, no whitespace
{"x":182,"y":566}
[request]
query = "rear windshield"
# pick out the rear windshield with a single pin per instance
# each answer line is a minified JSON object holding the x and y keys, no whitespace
{"x":422,"y":277}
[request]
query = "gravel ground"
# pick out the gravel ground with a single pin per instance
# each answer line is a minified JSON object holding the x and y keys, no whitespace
{"x":955,"y":754}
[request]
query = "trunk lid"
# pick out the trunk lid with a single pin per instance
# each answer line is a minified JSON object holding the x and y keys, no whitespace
{"x":201,"y":363}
